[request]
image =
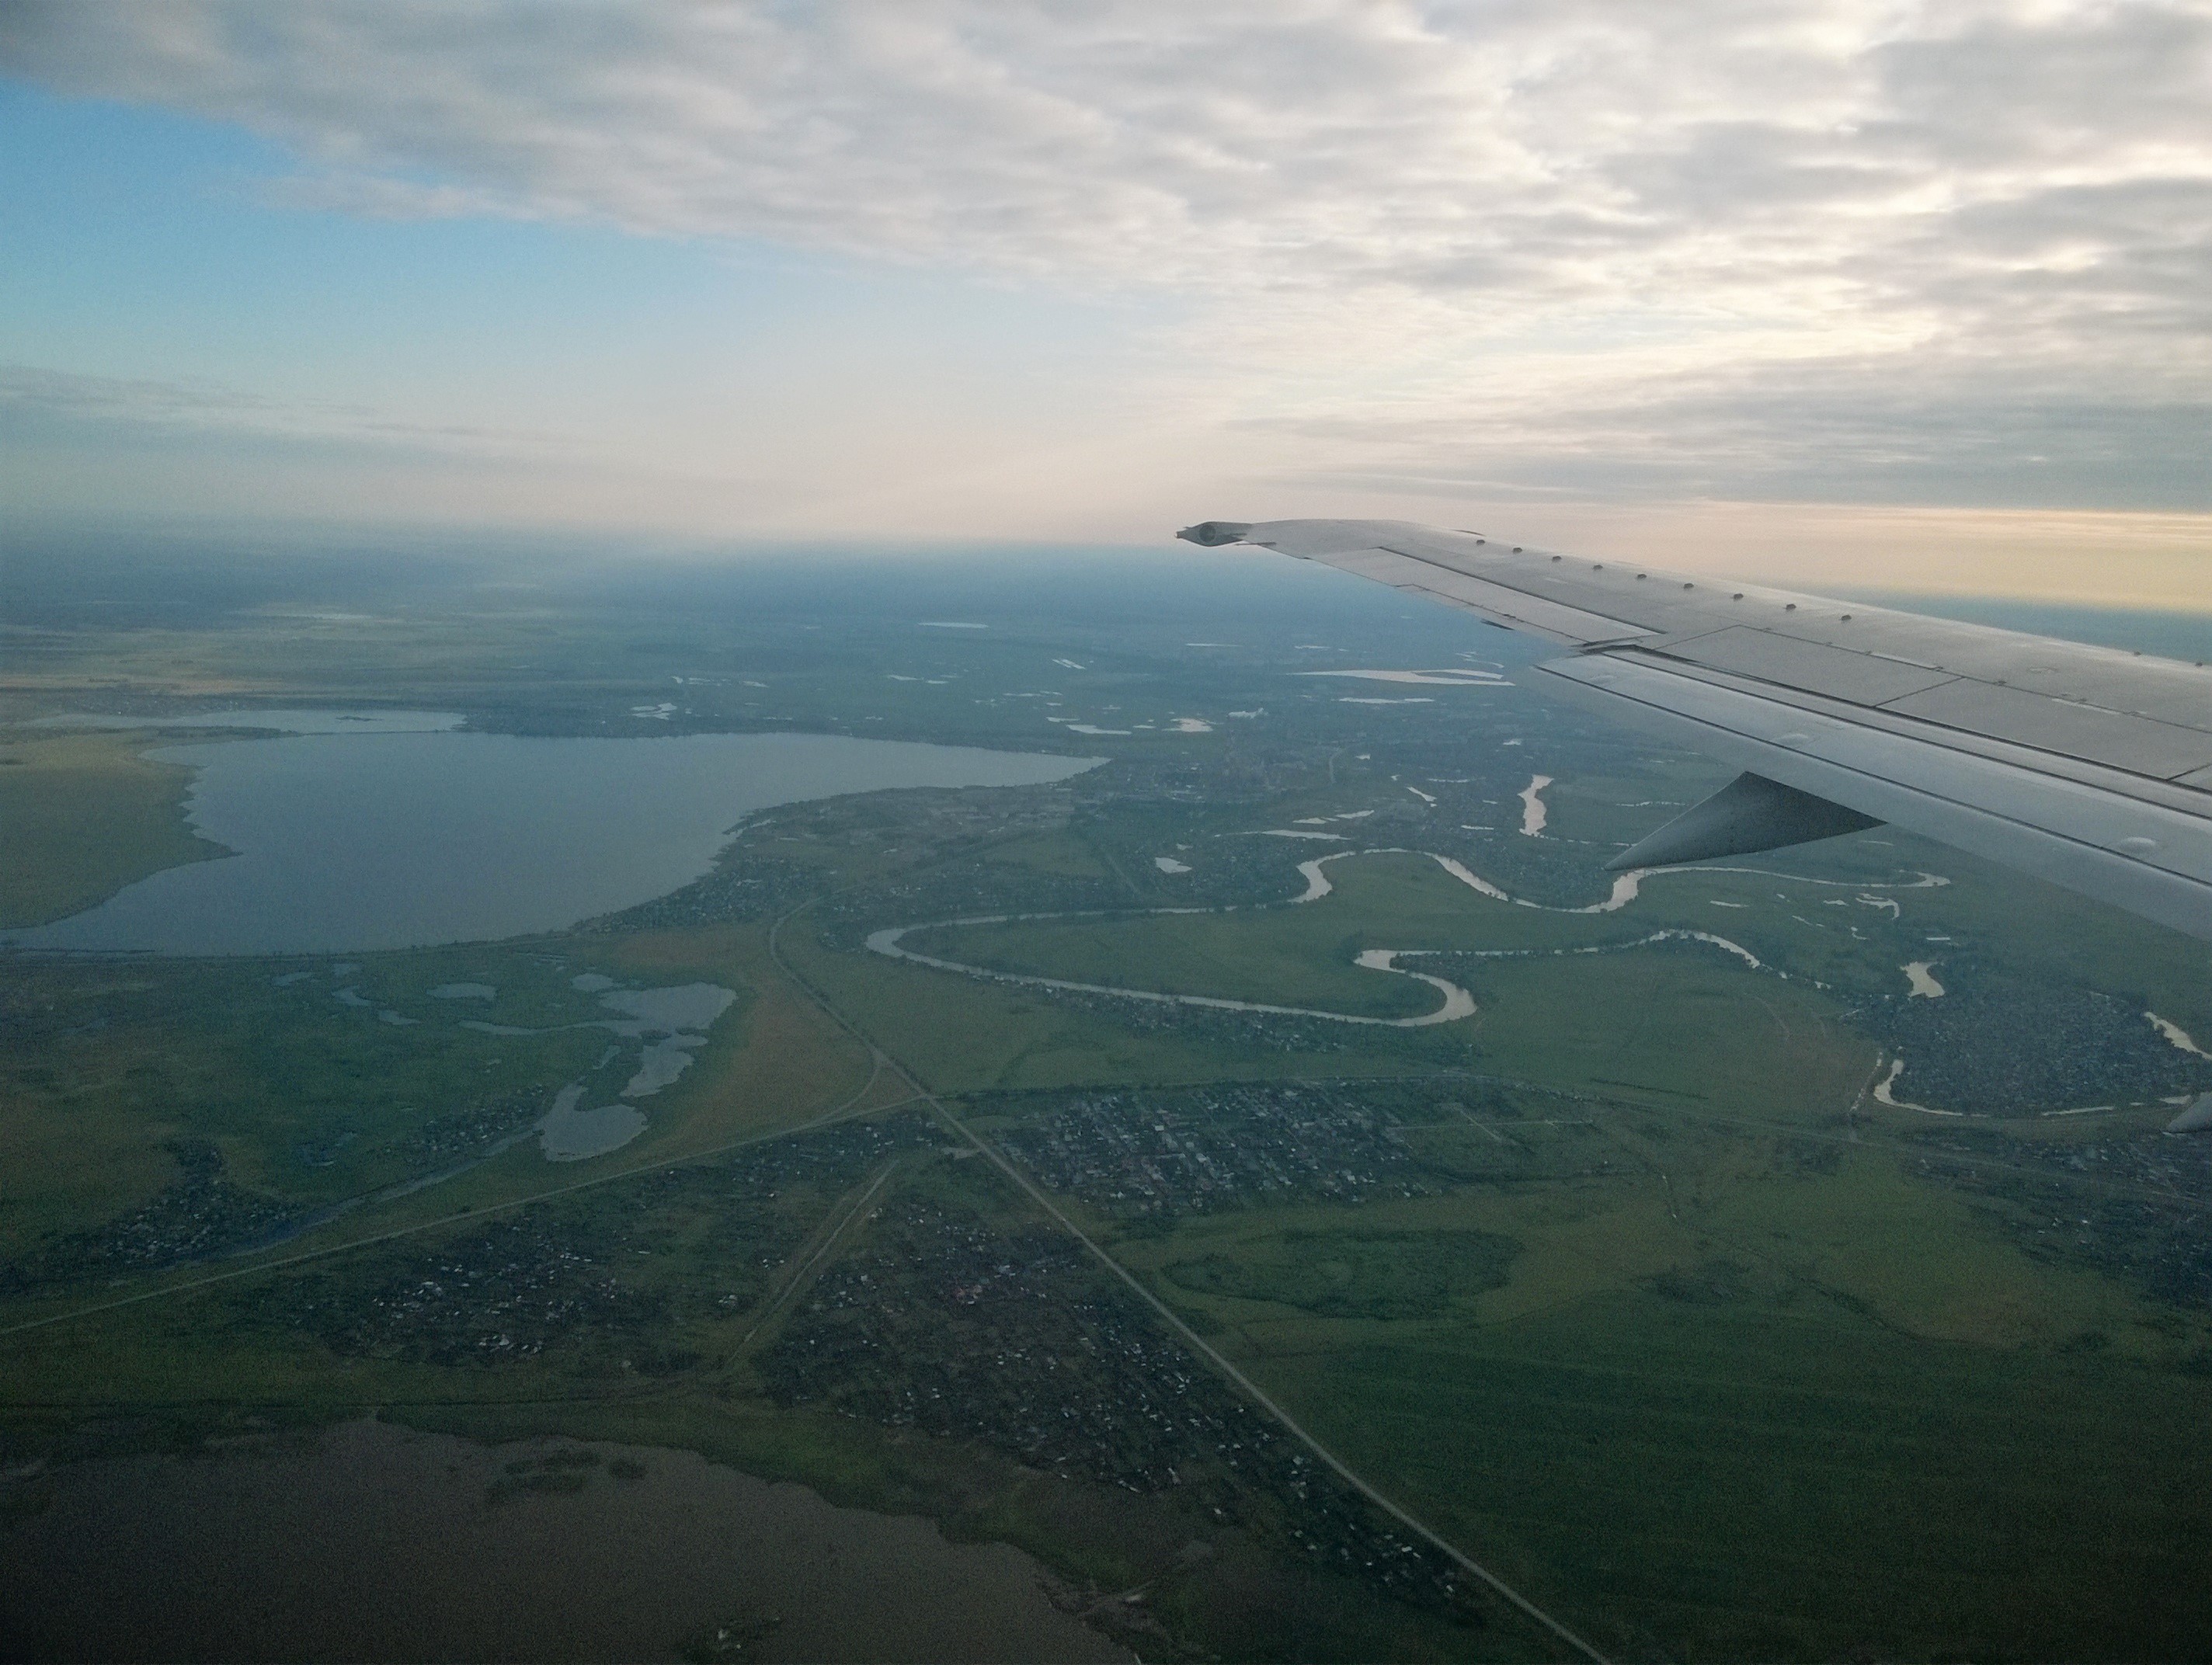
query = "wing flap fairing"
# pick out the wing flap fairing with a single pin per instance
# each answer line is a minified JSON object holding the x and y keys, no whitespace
{"x":2144,"y":856}
{"x":1750,"y":814}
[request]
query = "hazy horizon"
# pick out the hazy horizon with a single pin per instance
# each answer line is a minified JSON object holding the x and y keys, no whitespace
{"x":1909,"y":295}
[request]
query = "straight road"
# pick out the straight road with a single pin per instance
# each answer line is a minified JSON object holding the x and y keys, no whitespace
{"x":1190,"y":1338}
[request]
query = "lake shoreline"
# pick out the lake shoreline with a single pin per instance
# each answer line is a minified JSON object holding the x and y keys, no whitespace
{"x":359,"y":841}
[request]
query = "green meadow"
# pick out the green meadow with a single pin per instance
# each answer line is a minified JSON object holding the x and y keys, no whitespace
{"x":1721,"y":1397}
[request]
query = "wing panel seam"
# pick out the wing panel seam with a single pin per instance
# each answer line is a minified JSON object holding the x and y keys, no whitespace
{"x":1962,"y":804}
{"x":1905,"y":725}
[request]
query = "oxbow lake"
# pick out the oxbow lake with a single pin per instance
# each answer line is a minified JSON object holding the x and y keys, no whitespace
{"x":404,"y":832}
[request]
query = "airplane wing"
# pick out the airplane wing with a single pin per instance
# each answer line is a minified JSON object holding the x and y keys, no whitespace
{"x":2090,"y":767}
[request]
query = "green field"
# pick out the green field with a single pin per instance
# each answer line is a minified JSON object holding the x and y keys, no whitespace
{"x":1753,"y":1478}
{"x":1737,"y":1402}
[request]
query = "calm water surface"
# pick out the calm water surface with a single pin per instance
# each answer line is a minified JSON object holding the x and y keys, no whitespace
{"x":353,"y":840}
{"x":370,"y":1542}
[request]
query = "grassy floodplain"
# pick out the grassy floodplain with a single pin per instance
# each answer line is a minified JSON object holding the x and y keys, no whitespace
{"x":1672,"y":1263}
{"x":1627,"y":1285}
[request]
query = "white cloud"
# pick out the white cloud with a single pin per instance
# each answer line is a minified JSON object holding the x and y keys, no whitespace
{"x":1943,"y":251}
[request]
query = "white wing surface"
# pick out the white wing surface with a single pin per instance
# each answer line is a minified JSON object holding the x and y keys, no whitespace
{"x":2090,"y":767}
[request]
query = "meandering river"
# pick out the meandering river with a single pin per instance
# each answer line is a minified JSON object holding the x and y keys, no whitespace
{"x":1457,"y":1002}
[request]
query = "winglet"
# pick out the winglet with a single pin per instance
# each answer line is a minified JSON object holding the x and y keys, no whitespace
{"x":1751,"y":813}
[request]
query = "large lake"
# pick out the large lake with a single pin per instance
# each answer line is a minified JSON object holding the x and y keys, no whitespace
{"x":370,"y":837}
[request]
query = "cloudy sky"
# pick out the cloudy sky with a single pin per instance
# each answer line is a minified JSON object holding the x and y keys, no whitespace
{"x":1922,"y":292}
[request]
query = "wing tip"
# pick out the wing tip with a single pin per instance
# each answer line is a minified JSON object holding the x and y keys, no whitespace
{"x":1211,"y":534}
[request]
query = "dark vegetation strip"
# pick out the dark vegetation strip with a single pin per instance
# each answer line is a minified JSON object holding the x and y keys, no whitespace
{"x":1943,"y":1155}
{"x":829,"y":1239}
{"x":485,"y":1211}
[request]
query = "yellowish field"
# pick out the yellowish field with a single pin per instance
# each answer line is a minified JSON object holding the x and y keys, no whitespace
{"x":85,"y":814}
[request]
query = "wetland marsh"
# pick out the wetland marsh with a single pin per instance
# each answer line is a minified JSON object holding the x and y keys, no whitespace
{"x":706,"y":1173}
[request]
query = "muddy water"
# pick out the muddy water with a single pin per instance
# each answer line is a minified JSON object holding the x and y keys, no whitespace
{"x":373,"y":1542}
{"x":1458,"y":1002}
{"x":1534,"y":813}
{"x":1920,"y":974}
